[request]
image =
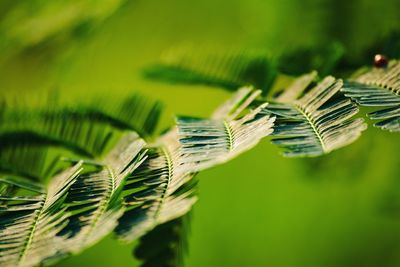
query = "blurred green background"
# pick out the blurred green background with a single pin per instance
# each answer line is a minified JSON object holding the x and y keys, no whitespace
{"x":340,"y":210}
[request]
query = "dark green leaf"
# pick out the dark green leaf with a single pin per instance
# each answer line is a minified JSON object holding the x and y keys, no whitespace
{"x":314,"y":122}
{"x":214,"y":66}
{"x":378,"y":87}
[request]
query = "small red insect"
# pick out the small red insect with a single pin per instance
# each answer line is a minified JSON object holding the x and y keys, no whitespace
{"x":380,"y":61}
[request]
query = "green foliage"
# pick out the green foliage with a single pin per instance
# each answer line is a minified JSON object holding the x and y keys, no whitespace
{"x":171,"y":240}
{"x":314,"y":123}
{"x":29,"y":24}
{"x":145,"y":191}
{"x":208,"y":142}
{"x":82,"y":209}
{"x":30,"y":223}
{"x":29,"y":159}
{"x":323,"y":58}
{"x":94,"y":199}
{"x":379,"y":87}
{"x":226,"y":68}
{"x":82,"y":134}
{"x":34,"y":137}
{"x":91,"y":205}
{"x":160,"y":191}
{"x":84,"y":128}
{"x":139,"y":189}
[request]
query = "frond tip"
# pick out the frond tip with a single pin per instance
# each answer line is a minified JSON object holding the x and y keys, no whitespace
{"x":316,"y":122}
{"x":379,"y":87}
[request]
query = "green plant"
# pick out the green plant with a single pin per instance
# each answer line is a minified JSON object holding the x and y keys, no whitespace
{"x":107,"y":178}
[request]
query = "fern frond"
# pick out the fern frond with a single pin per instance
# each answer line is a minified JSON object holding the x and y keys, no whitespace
{"x":35,"y":159}
{"x":80,"y":134}
{"x":85,"y":129}
{"x":323,"y":58}
{"x":30,"y":161}
{"x":34,"y":135}
{"x":31,"y":223}
{"x":134,"y":112}
{"x":95,"y":199}
{"x":157,"y":192}
{"x":228,"y":69}
{"x":379,"y":87}
{"x":171,"y":240}
{"x":316,"y":122}
{"x":166,"y":178}
{"x":207,"y":142}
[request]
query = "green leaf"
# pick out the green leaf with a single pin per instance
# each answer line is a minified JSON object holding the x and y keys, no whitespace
{"x":33,"y":137}
{"x":30,"y":160}
{"x":85,"y":129}
{"x":157,"y":192}
{"x":134,"y":112}
{"x":31,"y":222}
{"x":26,"y":25}
{"x":378,"y":87}
{"x":82,"y":208}
{"x":208,"y":142}
{"x":324,"y":58}
{"x":314,"y":122}
{"x":81,"y":134}
{"x":226,"y":68}
{"x":95,"y":199}
{"x":172,"y":243}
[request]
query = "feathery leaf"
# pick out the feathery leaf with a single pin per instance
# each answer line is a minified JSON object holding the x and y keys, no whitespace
{"x":157,"y":192}
{"x":203,"y":144}
{"x":379,"y":87}
{"x":315,"y":122}
{"x":323,"y":57}
{"x":171,"y":240}
{"x":95,"y":199}
{"x":208,"y":142}
{"x":212,"y":66}
{"x":81,"y":134}
{"x":85,"y":129}
{"x":35,"y":159}
{"x":134,"y":112}
{"x":31,"y":222}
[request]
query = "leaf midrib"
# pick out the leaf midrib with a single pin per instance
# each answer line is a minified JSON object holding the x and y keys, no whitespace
{"x":164,"y":192}
{"x":229,"y":132}
{"x":29,"y":240}
{"x":103,"y":205}
{"x":310,"y":121}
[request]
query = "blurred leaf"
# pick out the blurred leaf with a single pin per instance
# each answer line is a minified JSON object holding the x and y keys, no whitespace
{"x":31,"y":23}
{"x":387,"y":43}
{"x":171,"y":239}
{"x":226,"y":68}
{"x":29,"y":158}
{"x":323,"y":58}
{"x":34,"y":137}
